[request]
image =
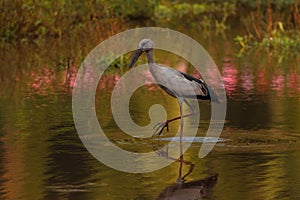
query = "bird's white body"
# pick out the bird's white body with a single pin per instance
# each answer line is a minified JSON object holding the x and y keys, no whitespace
{"x":174,"y":82}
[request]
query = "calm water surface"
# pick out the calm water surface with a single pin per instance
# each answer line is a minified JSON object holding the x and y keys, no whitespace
{"x":42,"y":157}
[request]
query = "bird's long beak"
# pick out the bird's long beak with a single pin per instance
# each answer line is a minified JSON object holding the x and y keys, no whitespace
{"x":135,"y":57}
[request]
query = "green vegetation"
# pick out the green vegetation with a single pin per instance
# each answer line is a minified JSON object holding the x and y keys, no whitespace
{"x":273,"y":25}
{"x":213,"y":16}
{"x":280,"y":42}
{"x":30,"y":20}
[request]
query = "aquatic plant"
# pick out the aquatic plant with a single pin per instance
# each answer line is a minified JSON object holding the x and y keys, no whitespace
{"x":272,"y":25}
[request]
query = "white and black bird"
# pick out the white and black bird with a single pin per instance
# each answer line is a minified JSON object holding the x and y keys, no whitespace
{"x":173,"y":82}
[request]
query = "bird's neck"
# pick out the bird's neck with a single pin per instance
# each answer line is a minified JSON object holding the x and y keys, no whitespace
{"x":154,"y":69}
{"x":150,"y":57}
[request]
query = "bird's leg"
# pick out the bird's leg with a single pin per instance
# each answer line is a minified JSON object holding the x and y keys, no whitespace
{"x":162,"y":125}
{"x":179,"y":179}
{"x":192,"y":165}
{"x":181,"y":124}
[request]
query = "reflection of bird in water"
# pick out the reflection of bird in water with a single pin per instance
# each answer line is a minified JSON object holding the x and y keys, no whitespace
{"x":173,"y":82}
{"x":190,"y":190}
{"x":186,"y":190}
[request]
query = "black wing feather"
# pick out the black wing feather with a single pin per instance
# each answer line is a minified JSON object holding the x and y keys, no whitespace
{"x":209,"y":93}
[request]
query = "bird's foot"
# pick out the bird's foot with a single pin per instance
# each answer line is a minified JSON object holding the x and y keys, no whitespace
{"x":159,"y":127}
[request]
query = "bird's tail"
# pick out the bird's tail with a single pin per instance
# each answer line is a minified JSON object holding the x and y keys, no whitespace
{"x":213,"y":97}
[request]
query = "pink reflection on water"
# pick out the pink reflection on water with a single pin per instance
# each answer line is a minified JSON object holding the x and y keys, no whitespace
{"x":45,"y":79}
{"x":40,"y":81}
{"x":247,"y":80}
{"x":230,"y":77}
{"x":262,"y":83}
{"x":278,"y":82}
{"x":293,"y":82}
{"x":70,"y":75}
{"x":108,"y":81}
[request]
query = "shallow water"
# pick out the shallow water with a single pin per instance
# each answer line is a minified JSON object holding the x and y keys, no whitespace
{"x":258,"y":157}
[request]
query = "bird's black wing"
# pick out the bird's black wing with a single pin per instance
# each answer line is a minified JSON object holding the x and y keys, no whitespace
{"x":207,"y":91}
{"x":202,"y":85}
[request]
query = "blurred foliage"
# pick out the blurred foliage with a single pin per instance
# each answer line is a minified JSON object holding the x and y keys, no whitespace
{"x":273,"y":24}
{"x":28,"y":20}
{"x":266,"y":16}
{"x":281,"y":44}
{"x":206,"y":16}
{"x":130,"y":9}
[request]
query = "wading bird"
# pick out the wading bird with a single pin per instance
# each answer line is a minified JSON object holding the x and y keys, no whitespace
{"x":173,"y":82}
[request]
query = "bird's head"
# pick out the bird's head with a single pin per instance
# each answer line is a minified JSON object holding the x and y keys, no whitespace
{"x":145,"y":45}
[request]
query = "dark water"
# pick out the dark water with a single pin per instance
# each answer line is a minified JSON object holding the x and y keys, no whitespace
{"x":42,"y":156}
